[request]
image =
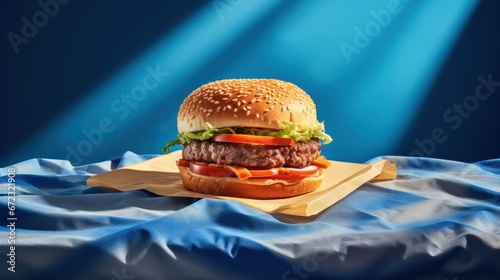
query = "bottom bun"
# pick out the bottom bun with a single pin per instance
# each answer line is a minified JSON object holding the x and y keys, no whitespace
{"x":249,"y":188}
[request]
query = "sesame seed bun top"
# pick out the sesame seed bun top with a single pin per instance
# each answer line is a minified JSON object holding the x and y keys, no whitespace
{"x":260,"y":103}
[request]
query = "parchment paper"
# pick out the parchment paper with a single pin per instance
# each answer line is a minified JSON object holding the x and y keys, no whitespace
{"x":161,"y":176}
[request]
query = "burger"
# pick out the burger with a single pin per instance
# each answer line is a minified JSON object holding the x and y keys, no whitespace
{"x":251,"y":138}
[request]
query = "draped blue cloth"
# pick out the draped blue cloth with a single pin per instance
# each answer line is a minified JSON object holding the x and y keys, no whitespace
{"x":439,"y":219}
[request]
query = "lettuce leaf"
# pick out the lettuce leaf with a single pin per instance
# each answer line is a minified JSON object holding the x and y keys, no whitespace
{"x":290,"y":131}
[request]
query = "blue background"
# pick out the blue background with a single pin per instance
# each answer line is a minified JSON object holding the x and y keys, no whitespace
{"x":94,"y":79}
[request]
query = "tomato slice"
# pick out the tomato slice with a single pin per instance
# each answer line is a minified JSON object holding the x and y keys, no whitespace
{"x":253,"y":139}
{"x":183,"y":163}
{"x":208,"y":170}
{"x":244,"y":173}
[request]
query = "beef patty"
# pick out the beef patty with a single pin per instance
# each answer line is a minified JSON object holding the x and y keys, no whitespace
{"x":253,"y":156}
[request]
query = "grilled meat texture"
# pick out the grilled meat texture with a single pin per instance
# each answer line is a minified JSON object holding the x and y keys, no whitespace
{"x":253,"y":156}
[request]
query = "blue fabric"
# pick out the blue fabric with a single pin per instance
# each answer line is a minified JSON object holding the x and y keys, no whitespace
{"x":439,"y":219}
